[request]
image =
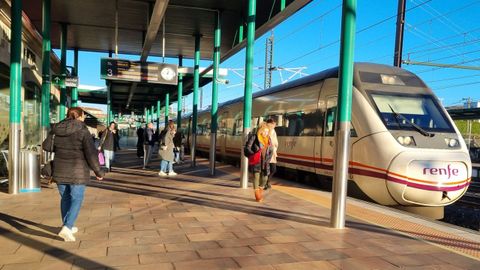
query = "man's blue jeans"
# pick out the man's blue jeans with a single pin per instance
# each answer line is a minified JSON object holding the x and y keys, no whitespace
{"x":166,"y":166}
{"x":72,"y":198}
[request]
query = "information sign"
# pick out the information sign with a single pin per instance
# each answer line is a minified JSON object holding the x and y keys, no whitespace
{"x":136,"y":71}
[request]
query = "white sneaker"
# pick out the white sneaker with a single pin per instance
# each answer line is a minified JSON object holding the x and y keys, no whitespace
{"x":172,"y":173}
{"x":66,"y":234}
{"x":161,"y":173}
{"x":74,"y":229}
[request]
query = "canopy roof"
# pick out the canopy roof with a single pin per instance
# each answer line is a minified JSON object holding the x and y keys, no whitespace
{"x":91,"y":27}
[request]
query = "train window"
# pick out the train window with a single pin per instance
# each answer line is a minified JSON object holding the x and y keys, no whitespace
{"x":393,"y":79}
{"x":313,"y":122}
{"x":238,"y":127}
{"x":330,"y":122}
{"x":401,"y":111}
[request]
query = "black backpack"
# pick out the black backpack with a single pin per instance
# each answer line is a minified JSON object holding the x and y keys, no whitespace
{"x":250,"y":146}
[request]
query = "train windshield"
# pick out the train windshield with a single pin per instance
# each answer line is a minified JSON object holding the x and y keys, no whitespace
{"x":412,"y":112}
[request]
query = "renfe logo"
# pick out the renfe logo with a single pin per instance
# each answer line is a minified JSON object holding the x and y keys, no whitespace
{"x":441,"y":171}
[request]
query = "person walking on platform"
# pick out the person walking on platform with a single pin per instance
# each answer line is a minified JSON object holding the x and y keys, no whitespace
{"x":148,"y":143}
{"x":116,"y":137}
{"x":177,"y":141}
{"x":75,"y":156}
{"x":140,"y":140}
{"x":273,"y":161}
{"x":107,"y":144}
{"x":259,"y":151}
{"x":166,"y":150}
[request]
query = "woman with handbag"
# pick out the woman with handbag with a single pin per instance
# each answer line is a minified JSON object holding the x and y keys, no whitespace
{"x":259,"y":150}
{"x":75,"y":156}
{"x":107,"y":144}
{"x":166,"y":150}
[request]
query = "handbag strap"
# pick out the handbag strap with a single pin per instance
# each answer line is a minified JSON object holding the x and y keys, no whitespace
{"x":52,"y":143}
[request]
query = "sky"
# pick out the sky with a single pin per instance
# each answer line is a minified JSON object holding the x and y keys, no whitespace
{"x":436,"y":31}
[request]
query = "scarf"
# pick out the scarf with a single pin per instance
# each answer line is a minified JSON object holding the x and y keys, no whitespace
{"x":264,"y":141}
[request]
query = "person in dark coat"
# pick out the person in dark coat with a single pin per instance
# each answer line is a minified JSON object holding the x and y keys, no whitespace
{"x":116,"y":139}
{"x":140,"y":139}
{"x":75,"y":156}
{"x":148,"y":143}
{"x":259,"y":150}
{"x":178,"y":143}
{"x":107,"y":145}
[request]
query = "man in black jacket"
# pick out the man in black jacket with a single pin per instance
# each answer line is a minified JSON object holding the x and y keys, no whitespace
{"x":75,"y":156}
{"x":140,"y":141}
{"x":149,"y":143}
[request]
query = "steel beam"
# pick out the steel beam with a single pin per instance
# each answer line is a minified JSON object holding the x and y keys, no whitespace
{"x":63,"y":70}
{"x":179,"y":94}
{"x":196,"y":83}
{"x":75,"y":73}
{"x":214,"y":108}
{"x":167,"y":108}
{"x":15,"y":97}
{"x":247,"y":100}
{"x":156,"y":19}
{"x":344,"y":115}
{"x":46,"y":81}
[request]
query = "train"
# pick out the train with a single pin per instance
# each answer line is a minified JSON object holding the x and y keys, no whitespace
{"x":405,"y":149}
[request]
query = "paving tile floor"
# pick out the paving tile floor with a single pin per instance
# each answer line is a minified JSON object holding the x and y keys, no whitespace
{"x":134,"y":219}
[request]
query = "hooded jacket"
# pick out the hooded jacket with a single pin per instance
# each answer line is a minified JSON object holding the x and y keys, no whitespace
{"x":75,"y":153}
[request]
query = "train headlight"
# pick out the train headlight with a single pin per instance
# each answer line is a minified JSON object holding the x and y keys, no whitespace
{"x":406,"y":140}
{"x":451,"y":142}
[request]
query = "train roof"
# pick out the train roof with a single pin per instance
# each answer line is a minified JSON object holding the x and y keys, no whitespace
{"x":322,"y":75}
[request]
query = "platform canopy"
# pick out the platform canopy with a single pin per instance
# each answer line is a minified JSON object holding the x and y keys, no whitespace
{"x":92,"y":25}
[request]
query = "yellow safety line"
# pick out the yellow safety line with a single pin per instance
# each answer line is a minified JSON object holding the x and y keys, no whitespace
{"x":444,"y":240}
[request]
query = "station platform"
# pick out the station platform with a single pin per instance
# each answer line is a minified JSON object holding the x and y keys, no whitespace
{"x":134,"y":219}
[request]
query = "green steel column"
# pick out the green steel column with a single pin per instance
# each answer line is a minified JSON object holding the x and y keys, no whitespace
{"x":240,"y":33}
{"x":342,"y":130}
{"x":247,"y":100}
{"x":63,"y":67}
{"x":196,"y":83}
{"x":75,"y":73}
{"x":167,"y":107}
{"x":145,"y":115}
{"x":152,"y":115}
{"x":109,"y":103}
{"x":282,"y":5}
{"x":109,"y":98}
{"x":158,"y":114}
{"x":15,"y":97}
{"x":179,"y":95}
{"x":46,"y":83}
{"x":214,"y":112}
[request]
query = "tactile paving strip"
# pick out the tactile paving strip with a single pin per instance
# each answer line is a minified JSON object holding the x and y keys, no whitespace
{"x":452,"y":242}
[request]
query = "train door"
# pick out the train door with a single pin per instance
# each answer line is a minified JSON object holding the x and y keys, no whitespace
{"x":328,"y":139}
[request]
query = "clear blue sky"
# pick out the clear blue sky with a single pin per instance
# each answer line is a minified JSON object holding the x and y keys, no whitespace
{"x":439,"y":31}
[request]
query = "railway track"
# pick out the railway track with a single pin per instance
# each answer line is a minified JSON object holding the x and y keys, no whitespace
{"x":471,"y":199}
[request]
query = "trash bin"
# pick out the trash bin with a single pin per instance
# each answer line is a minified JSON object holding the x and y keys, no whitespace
{"x":30,"y":171}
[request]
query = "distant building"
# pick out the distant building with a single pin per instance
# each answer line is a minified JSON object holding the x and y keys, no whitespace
{"x":473,"y":104}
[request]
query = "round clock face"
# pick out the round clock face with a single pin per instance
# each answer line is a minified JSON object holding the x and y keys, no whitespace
{"x":167,"y":73}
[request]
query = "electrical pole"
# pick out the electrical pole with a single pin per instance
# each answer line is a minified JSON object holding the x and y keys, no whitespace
{"x":268,"y":61}
{"x":397,"y":58}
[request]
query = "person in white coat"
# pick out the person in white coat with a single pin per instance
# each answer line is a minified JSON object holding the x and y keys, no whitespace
{"x":273,"y":162}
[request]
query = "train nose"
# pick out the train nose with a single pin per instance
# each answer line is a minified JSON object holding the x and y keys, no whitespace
{"x":430,"y":181}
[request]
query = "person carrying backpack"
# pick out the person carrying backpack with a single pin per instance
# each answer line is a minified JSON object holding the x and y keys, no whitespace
{"x":259,"y":151}
{"x":75,"y":156}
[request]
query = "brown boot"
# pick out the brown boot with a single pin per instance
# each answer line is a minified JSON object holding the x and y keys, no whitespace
{"x":258,"y":195}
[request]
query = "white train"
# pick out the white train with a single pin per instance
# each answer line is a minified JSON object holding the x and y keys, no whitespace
{"x":405,"y":149}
